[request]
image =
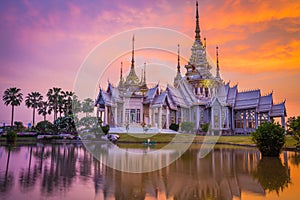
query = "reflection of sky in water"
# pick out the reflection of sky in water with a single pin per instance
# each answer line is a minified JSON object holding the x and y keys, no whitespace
{"x":70,"y":172}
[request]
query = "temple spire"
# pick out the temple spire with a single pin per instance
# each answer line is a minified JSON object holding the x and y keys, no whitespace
{"x":121,"y":73}
{"x":132,"y":56}
{"x":142,"y":78}
{"x":197,"y":31}
{"x":145,"y":73}
{"x":178,"y":60}
{"x":218,"y":68}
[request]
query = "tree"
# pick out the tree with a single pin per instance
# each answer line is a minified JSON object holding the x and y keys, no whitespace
{"x":13,"y":97}
{"x":269,"y":138}
{"x":87,"y":106}
{"x":272,"y":175}
{"x":33,"y":100}
{"x":67,"y":102}
{"x":293,"y":125}
{"x":76,"y":105}
{"x":43,"y":109}
{"x":54,"y":101}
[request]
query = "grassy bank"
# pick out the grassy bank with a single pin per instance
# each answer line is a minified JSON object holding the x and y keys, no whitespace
{"x":167,"y":138}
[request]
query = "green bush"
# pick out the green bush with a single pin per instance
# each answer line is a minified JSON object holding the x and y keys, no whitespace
{"x":19,"y":126}
{"x":105,"y":129}
{"x":11,"y":136}
{"x":269,"y":138}
{"x":174,"y":127}
{"x":293,"y":125}
{"x":65,"y":124}
{"x":204,"y":127}
{"x":45,"y":127}
{"x":187,"y":126}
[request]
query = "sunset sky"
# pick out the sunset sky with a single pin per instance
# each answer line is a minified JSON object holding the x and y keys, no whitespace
{"x":44,"y":43}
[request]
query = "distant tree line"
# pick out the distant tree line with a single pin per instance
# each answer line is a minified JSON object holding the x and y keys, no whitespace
{"x":57,"y":102}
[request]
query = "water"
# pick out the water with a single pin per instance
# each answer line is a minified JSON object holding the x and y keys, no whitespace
{"x":69,"y":171}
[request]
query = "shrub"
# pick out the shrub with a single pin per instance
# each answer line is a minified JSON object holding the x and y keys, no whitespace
{"x":187,"y":126}
{"x":204,"y":127}
{"x":19,"y":126}
{"x":45,"y":127}
{"x":105,"y":129}
{"x":88,"y":123}
{"x":11,"y":136}
{"x":269,"y":138}
{"x":174,"y":127}
{"x":293,"y":125}
{"x":65,"y":124}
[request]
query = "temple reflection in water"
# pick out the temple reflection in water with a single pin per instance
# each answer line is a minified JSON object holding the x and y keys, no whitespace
{"x":70,"y":171}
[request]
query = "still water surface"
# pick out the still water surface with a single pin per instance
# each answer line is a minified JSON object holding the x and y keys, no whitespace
{"x":69,"y":171}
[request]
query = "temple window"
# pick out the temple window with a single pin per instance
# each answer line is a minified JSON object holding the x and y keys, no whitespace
{"x":239,"y":119}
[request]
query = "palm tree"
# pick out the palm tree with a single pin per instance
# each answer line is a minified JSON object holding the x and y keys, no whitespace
{"x":13,"y":97}
{"x":33,"y":100}
{"x":43,"y":109}
{"x":76,"y":105}
{"x":54,"y":100}
{"x":68,"y":99}
{"x":87,"y":106}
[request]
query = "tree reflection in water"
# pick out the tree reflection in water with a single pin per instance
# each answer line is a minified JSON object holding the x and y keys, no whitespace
{"x":295,"y":158}
{"x":272,"y":175}
{"x":60,"y":170}
{"x":28,"y":176}
{"x":7,"y":178}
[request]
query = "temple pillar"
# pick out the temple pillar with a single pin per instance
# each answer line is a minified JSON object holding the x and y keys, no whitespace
{"x":220,"y":119}
{"x":124,"y":118}
{"x":160,"y":117}
{"x":105,"y":114}
{"x":116,"y":116}
{"x":232,"y":120}
{"x":176,"y":116}
{"x":256,"y":120}
{"x":227,"y":117}
{"x":197,"y":117}
{"x":150,"y":116}
{"x":212,"y":119}
{"x":283,"y":121}
{"x":245,"y":120}
{"x":167,"y":118}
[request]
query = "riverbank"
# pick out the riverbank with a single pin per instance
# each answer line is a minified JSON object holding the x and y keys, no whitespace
{"x":244,"y":140}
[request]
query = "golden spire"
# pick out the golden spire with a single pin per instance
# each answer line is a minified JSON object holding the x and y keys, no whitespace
{"x":132,"y":56}
{"x":218,"y":68}
{"x":142,"y":78}
{"x":178,"y":59}
{"x":132,"y":79}
{"x":121,"y":74}
{"x":145,"y":73}
{"x":197,"y":31}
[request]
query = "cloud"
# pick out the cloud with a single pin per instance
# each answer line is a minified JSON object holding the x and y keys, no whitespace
{"x":43,"y":43}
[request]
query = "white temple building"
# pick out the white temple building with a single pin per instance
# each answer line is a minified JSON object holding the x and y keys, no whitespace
{"x":198,"y":96}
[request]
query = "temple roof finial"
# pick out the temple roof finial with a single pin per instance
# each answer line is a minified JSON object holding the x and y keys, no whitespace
{"x":121,"y":73}
{"x":218,"y":68}
{"x":132,"y":57}
{"x":145,"y":73}
{"x":197,"y":31}
{"x":178,"y":59}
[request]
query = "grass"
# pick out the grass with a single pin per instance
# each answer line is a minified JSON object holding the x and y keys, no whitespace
{"x":166,"y":138}
{"x":137,"y":139}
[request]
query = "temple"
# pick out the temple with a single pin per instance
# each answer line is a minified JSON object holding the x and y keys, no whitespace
{"x":198,"y":96}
